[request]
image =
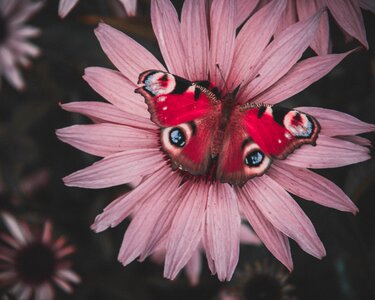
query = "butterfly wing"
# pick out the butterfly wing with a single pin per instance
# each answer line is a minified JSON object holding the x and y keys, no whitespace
{"x":254,"y":136}
{"x":187,"y":114}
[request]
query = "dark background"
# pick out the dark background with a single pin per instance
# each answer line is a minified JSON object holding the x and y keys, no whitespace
{"x":28,"y":146}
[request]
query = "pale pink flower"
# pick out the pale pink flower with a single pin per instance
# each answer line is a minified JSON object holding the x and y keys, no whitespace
{"x":193,"y":267}
{"x":32,"y":261}
{"x":179,"y":212}
{"x":261,"y":280}
{"x":15,"y":49}
{"x":347,"y":14}
{"x":65,"y":6}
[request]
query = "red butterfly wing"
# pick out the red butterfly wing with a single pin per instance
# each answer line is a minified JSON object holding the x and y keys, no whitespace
{"x":172,"y":100}
{"x":256,"y":135}
{"x":187,"y":113}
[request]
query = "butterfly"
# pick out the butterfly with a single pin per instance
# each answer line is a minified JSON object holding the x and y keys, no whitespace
{"x":204,"y":133}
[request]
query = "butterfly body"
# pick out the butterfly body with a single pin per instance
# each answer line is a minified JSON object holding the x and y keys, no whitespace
{"x":204,"y":133}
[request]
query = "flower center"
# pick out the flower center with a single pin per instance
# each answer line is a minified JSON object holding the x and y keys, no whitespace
{"x":3,"y":29}
{"x":35,"y":263}
{"x":263,"y":287}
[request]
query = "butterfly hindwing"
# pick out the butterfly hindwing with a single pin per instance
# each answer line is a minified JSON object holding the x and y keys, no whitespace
{"x":255,"y":136}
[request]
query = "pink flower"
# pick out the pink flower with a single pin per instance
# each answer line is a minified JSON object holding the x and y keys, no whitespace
{"x":194,"y":265}
{"x":15,"y":49}
{"x":31,"y":261}
{"x":179,"y":212}
{"x":347,"y":14}
{"x":65,"y":6}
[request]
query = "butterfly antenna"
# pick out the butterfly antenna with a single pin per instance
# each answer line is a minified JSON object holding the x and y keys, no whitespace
{"x":222,"y":77}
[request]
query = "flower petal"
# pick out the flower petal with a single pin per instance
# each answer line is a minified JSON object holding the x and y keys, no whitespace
{"x":107,"y":113}
{"x":280,"y":56}
{"x":193,"y":268}
{"x":117,"y":169}
{"x":116,"y":89}
{"x":348,"y":15}
{"x":333,"y":122}
{"x":275,"y":241}
{"x":328,"y":153}
{"x":355,"y":139}
{"x":247,"y":236}
{"x":284,"y":213}
{"x":300,"y":76}
{"x":222,"y":236}
{"x":244,"y":9}
{"x":195,"y":32}
{"x":223,"y":32}
{"x":130,"y":7}
{"x":167,"y":29}
{"x":255,"y":35}
{"x":147,"y":216}
{"x":321,"y":41}
{"x":127,"y":55}
{"x":121,"y":208}
{"x":186,"y":230}
{"x":15,"y":228}
{"x":107,"y":139}
{"x":367,"y":4}
{"x":310,"y":186}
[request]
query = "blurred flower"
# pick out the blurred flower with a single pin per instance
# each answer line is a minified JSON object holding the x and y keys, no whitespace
{"x":347,"y":14}
{"x":178,"y":211}
{"x":194,"y":265}
{"x":15,"y":49}
{"x":65,"y":6}
{"x":32,"y":261}
{"x":261,"y":281}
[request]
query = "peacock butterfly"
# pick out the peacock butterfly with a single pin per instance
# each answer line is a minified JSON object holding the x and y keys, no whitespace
{"x":201,"y":129}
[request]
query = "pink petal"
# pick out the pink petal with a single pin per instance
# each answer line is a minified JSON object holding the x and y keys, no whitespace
{"x":142,"y":225}
{"x":14,"y":228}
{"x":127,"y":55}
{"x":255,"y":35}
{"x":107,"y":139}
{"x":348,"y":15}
{"x":333,"y":122}
{"x":223,"y":31}
{"x":107,"y":113}
{"x":222,"y":236}
{"x":288,"y":18}
{"x":160,"y":232}
{"x":310,"y":186}
{"x":195,"y":32}
{"x":117,"y":169}
{"x":167,"y":29}
{"x":321,"y":42}
{"x":284,"y":213}
{"x":280,"y":56}
{"x":367,"y":4}
{"x":247,"y":236}
{"x":275,"y":241}
{"x":130,"y":6}
{"x":300,"y":76}
{"x":355,"y":139}
{"x":244,"y":9}
{"x":116,"y":89}
{"x":186,"y":229}
{"x":193,"y":268}
{"x":328,"y":153}
{"x":121,"y":208}
{"x":43,"y":291}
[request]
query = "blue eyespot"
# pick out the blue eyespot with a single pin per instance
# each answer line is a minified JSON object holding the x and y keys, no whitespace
{"x":177,"y":137}
{"x":254,"y":159}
